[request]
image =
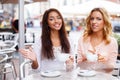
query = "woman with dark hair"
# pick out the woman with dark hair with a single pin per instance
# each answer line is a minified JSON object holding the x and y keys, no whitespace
{"x":53,"y":41}
{"x":15,"y":26}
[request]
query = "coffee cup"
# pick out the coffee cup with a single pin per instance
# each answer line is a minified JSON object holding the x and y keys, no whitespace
{"x":92,"y":57}
{"x":63,"y":56}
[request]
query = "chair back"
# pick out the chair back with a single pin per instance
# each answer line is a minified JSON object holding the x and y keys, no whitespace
{"x":7,"y":36}
{"x":8,"y":40}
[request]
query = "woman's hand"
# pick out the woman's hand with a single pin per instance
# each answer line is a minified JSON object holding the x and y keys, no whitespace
{"x":81,"y":59}
{"x":101,"y":58}
{"x":28,"y":53}
{"x":70,"y":61}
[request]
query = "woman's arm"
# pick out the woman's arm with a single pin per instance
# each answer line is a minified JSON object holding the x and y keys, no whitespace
{"x":34,"y":64}
{"x":29,"y":54}
{"x":110,"y":60}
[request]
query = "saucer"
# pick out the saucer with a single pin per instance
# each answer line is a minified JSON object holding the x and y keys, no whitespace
{"x":51,"y":73}
{"x":87,"y":73}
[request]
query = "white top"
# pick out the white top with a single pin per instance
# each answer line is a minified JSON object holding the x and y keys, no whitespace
{"x":45,"y":64}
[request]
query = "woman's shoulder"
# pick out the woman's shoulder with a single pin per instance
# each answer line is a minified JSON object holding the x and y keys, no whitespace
{"x":81,"y":38}
{"x":113,"y":40}
{"x":71,"y":40}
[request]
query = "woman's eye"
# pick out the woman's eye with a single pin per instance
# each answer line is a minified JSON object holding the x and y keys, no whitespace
{"x":59,"y":17}
{"x":91,"y":18}
{"x":99,"y":19}
{"x":51,"y":19}
{"x":95,"y":18}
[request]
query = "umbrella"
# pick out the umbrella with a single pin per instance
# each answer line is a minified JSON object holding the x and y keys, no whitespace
{"x":85,"y":8}
{"x":16,"y":1}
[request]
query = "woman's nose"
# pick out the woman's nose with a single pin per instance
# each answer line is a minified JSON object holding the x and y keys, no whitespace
{"x":94,"y":21}
{"x":56,"y":20}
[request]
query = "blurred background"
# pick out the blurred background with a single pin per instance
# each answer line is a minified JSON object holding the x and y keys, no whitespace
{"x":74,"y":13}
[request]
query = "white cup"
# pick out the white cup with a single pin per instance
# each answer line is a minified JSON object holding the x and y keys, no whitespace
{"x":63,"y":56}
{"x":92,"y":57}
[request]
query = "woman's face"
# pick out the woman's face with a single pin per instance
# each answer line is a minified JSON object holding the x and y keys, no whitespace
{"x":54,"y":20}
{"x":96,"y":21}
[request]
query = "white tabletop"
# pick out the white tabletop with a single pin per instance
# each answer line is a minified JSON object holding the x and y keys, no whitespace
{"x":72,"y":76}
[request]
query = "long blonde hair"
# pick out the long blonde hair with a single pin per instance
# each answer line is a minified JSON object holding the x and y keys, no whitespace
{"x":107,"y":28}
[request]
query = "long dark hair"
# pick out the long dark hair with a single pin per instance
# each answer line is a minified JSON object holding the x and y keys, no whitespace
{"x":47,"y":46}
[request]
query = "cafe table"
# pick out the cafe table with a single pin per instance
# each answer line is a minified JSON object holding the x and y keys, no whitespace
{"x":72,"y":75}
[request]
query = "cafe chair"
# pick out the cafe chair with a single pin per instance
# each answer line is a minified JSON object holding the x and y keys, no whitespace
{"x":116,"y":71}
{"x":3,"y":58}
{"x":22,"y":68}
{"x":8,"y":39}
{"x":9,"y":66}
{"x":7,"y":36}
{"x":8,"y":43}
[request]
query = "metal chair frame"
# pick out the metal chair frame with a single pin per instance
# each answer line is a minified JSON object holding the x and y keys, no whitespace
{"x":7,"y":37}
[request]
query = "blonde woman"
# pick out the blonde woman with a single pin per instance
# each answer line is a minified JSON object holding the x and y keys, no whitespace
{"x":97,"y":49}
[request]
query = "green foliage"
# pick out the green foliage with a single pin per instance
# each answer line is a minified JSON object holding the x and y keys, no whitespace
{"x":117,"y":36}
